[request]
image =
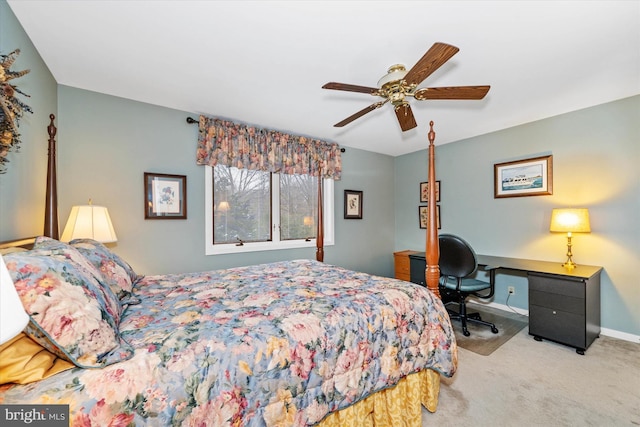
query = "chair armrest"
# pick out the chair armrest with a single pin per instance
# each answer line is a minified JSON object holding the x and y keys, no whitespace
{"x":492,"y":281}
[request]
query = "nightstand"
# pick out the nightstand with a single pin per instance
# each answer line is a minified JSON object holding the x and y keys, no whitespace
{"x":402,"y":265}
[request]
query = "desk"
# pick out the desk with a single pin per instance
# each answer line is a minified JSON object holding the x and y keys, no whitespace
{"x":541,"y":267}
{"x":564,"y":305}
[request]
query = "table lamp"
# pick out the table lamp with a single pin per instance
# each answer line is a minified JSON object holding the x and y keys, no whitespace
{"x":307,"y":221}
{"x":224,"y":206}
{"x":13,"y":318}
{"x":89,"y":222}
{"x":570,"y":221}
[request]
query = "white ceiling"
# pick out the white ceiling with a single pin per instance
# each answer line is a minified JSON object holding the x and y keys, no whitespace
{"x":264,"y":62}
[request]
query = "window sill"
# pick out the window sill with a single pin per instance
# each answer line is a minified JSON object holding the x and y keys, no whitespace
{"x":261,"y":246}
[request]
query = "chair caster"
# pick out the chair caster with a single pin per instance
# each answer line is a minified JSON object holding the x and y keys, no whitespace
{"x":466,"y":333}
{"x":494,"y":330}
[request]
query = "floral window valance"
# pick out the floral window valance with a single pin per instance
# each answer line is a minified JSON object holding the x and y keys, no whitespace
{"x":225,"y":142}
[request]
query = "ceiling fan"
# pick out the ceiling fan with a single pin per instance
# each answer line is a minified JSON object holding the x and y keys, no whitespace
{"x":399,"y":84}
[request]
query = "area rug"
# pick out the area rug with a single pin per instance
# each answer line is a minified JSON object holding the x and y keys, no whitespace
{"x":482,"y":341}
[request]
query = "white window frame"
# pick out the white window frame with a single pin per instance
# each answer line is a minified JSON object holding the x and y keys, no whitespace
{"x":276,"y":243}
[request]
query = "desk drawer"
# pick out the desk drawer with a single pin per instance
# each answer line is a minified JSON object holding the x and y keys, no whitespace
{"x":402,"y":265}
{"x":557,"y":302}
{"x":556,"y":325}
{"x":557,"y":285}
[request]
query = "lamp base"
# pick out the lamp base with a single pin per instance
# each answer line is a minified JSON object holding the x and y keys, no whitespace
{"x":569,"y":264}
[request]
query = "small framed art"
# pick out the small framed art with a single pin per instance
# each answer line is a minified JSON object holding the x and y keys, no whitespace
{"x":424,"y":192}
{"x":352,"y":204}
{"x":529,"y":177}
{"x":165,"y":196}
{"x":422,"y":216}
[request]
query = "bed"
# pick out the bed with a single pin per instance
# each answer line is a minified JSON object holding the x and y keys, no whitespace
{"x":290,"y":343}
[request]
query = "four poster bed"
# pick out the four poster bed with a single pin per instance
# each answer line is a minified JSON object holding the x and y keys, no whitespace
{"x":289,"y":343}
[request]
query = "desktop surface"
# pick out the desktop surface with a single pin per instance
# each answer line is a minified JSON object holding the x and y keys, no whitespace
{"x":546,"y":267}
{"x":529,"y":265}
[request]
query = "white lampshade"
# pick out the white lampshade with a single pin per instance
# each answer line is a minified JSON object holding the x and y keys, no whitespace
{"x":570,"y":221}
{"x":13,"y":318}
{"x":89,"y":222}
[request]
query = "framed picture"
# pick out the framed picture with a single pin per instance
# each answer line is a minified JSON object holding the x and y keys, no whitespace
{"x":422,"y":216}
{"x":352,"y":204}
{"x":424,"y":192}
{"x":165,"y":196}
{"x":529,"y":177}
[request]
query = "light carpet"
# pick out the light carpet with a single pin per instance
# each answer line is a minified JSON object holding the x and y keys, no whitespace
{"x":531,"y":383}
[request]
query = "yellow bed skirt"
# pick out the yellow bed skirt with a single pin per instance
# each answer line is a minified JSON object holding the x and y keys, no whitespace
{"x":398,"y":406}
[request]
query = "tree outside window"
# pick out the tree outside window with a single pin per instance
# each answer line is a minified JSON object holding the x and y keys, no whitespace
{"x":249,"y":204}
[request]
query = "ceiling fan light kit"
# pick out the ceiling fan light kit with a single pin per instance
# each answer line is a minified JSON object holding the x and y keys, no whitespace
{"x":394,"y":75}
{"x":398,"y":84}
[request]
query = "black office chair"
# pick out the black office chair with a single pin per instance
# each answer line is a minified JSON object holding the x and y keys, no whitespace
{"x":458,"y":261}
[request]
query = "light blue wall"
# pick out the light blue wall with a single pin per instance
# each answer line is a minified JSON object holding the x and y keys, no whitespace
{"x":106,"y":145}
{"x":22,"y":188}
{"x":596,"y":156}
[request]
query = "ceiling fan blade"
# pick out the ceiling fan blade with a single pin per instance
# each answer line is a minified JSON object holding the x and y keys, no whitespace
{"x":430,"y":62}
{"x":350,"y":88}
{"x":455,"y":92}
{"x":360,"y":113}
{"x":405,"y":117}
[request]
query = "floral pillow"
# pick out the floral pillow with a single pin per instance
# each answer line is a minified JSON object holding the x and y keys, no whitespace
{"x":115,"y":271}
{"x":68,"y":253}
{"x":69,"y":313}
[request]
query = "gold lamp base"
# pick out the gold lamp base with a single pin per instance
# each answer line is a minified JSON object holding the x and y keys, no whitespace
{"x":569,"y":264}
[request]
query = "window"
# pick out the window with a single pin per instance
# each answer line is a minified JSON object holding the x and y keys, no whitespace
{"x":241,"y":205}
{"x":248,"y":210}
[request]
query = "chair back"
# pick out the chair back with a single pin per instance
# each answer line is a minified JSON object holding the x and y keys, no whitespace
{"x":457,"y":257}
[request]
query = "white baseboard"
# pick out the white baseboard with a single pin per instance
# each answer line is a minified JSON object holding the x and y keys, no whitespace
{"x":508,"y":308}
{"x":499,"y":306}
{"x":620,"y":335}
{"x":603,"y":331}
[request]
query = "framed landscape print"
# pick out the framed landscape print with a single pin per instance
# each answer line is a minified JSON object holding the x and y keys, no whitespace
{"x":165,"y":196}
{"x":424,"y":192}
{"x":529,"y":177}
{"x":423,"y":218}
{"x":352,"y":204}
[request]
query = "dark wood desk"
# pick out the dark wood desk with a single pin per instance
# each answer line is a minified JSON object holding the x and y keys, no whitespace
{"x":564,"y":305}
{"x":541,"y":267}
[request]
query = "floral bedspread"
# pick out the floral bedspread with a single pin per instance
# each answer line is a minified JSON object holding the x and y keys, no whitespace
{"x":280,"y":344}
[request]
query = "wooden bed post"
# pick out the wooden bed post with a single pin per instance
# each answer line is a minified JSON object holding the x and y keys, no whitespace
{"x":51,"y":203}
{"x":320,"y":225}
{"x":432,"y":271}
